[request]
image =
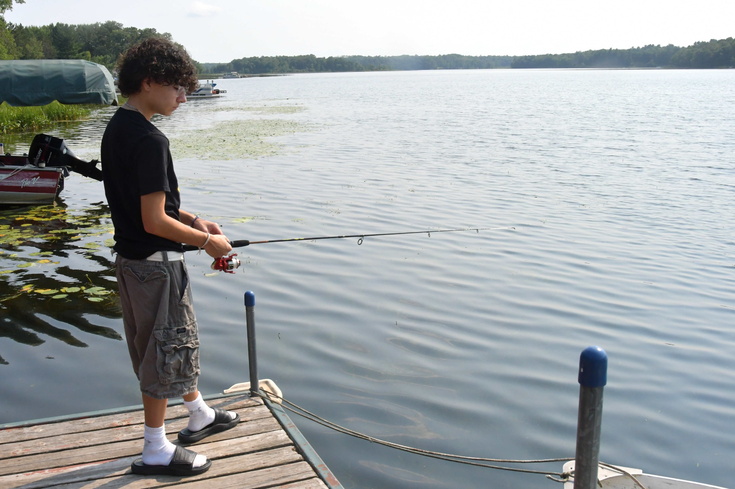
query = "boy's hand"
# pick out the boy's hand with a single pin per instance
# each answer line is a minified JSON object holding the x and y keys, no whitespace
{"x":218,"y":245}
{"x":207,"y":226}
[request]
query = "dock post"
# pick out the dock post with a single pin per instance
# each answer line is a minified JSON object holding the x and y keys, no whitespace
{"x":252,"y":357}
{"x":592,"y":380}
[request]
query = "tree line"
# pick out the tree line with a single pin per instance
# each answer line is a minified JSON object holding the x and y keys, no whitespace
{"x":312,"y":64}
{"x":103,"y":42}
{"x":100,"y":42}
{"x":700,"y":55}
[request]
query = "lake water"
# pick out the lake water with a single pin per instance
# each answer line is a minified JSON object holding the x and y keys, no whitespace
{"x":611,"y":192}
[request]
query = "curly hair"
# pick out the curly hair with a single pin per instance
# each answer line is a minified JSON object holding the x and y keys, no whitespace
{"x":158,"y":59}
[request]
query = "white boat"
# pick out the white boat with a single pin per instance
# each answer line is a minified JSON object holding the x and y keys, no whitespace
{"x":232,"y":74}
{"x":206,"y":90}
{"x":611,"y":477}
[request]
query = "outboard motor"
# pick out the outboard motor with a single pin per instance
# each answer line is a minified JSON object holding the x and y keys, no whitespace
{"x":51,"y":151}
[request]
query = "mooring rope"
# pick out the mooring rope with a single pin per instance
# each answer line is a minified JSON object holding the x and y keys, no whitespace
{"x":489,"y":463}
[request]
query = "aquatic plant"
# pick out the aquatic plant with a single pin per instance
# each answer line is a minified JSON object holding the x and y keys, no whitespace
{"x":19,"y":119}
{"x":240,"y":139}
{"x":49,"y":265}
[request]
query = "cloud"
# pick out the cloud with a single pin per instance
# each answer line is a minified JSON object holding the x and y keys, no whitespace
{"x":202,"y":9}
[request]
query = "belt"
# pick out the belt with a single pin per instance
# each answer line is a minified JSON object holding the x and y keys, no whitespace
{"x":163,"y":255}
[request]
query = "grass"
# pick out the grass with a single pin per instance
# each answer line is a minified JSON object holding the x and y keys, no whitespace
{"x":22,"y":119}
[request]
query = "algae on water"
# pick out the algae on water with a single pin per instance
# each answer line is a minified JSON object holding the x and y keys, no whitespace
{"x":238,"y":139}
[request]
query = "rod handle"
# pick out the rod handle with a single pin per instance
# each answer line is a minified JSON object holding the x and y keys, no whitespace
{"x":238,"y":243}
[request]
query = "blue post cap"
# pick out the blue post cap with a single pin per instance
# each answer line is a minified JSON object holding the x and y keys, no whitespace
{"x":593,"y":367}
{"x":249,"y":298}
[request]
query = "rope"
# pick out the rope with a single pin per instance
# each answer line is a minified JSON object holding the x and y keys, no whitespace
{"x":624,"y":472}
{"x":489,"y":463}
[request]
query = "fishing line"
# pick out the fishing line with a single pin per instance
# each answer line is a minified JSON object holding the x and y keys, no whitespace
{"x":239,"y":243}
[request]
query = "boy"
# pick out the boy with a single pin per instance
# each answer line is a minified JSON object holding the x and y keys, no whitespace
{"x":155,"y":294}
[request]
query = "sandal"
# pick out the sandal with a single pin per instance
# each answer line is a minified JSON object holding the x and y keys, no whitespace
{"x":222,"y":422}
{"x":181,"y":465}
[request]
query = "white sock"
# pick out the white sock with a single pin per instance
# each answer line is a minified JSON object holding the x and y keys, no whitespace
{"x":201,"y":415}
{"x":158,"y":450}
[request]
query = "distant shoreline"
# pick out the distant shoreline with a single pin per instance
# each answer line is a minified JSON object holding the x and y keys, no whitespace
{"x":715,"y":54}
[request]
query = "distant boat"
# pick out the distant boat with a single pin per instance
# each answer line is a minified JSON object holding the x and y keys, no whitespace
{"x":206,"y":90}
{"x":232,"y":74}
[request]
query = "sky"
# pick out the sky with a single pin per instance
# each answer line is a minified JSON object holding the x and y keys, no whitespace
{"x":215,"y":31}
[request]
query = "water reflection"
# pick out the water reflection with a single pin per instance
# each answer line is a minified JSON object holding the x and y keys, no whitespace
{"x":56,"y":274}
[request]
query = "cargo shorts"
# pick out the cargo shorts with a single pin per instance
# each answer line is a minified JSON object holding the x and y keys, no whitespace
{"x":160,"y":325}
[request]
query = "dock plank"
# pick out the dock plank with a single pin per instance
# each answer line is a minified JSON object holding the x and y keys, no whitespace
{"x":314,"y":483}
{"x":55,"y":439}
{"x":118,"y":467}
{"x":104,"y":447}
{"x":88,"y":423}
{"x":270,"y":477}
{"x":97,"y":450}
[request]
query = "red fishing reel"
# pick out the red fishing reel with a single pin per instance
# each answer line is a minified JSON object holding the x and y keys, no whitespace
{"x":227,"y":264}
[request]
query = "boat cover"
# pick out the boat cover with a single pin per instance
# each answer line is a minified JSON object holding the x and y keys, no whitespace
{"x":69,"y":81}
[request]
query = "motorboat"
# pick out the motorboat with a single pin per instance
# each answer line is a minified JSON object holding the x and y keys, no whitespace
{"x":38,"y":177}
{"x":206,"y":90}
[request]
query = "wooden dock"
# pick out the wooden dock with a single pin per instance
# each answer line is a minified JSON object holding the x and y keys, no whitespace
{"x":96,"y":450}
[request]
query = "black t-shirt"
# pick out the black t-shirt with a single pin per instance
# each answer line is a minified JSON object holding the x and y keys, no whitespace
{"x":136,"y":161}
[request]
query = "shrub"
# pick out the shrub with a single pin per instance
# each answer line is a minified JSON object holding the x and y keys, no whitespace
{"x":21,"y":119}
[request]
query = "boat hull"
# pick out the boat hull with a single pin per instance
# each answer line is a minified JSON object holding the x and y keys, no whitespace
{"x":20,"y":185}
{"x":622,"y":478}
{"x":207,"y":95}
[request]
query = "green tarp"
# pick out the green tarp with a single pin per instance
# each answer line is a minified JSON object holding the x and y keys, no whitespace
{"x":41,"y":81}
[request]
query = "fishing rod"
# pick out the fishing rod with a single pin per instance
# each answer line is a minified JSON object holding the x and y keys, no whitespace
{"x":229,"y":263}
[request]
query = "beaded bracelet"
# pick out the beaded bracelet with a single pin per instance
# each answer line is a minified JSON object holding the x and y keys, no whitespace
{"x":194,"y":220}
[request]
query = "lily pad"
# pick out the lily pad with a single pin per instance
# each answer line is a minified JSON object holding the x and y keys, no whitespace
{"x":97,"y":291}
{"x":47,"y":291}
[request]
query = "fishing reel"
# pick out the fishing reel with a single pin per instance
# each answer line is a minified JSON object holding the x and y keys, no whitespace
{"x":226,"y":264}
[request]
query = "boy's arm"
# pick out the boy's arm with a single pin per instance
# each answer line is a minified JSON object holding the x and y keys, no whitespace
{"x":198,"y":223}
{"x":156,"y":221}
